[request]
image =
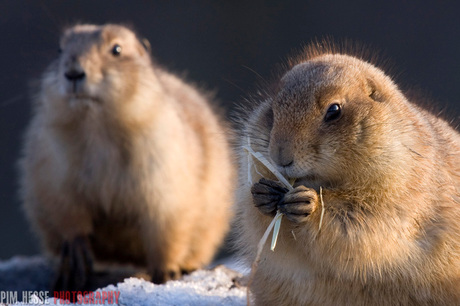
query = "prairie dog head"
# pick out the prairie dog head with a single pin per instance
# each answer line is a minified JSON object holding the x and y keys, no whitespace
{"x":98,"y":66}
{"x":326,"y":121}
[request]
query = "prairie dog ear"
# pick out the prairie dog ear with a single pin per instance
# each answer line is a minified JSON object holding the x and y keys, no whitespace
{"x":146,"y":44}
{"x":374,"y":91}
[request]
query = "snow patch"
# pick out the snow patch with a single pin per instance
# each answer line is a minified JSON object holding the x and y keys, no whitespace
{"x":202,"y":287}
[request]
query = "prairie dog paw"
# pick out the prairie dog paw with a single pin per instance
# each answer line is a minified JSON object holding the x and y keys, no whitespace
{"x":298,"y":204}
{"x":76,"y":265}
{"x":160,"y":276}
{"x":266,"y":195}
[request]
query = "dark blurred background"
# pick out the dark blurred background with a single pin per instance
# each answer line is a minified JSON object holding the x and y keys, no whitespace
{"x":222,"y":46}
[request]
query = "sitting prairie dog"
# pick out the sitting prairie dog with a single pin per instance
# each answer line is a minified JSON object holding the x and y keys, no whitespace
{"x":390,"y":178}
{"x":124,"y":161}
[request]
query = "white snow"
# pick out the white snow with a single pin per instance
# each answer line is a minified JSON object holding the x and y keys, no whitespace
{"x":202,"y":287}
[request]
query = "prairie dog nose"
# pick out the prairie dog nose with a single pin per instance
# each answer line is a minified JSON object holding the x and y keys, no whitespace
{"x":74,"y":75}
{"x":282,"y":154}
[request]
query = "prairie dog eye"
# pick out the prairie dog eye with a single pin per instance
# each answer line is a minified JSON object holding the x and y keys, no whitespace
{"x":333,"y":112}
{"x":116,"y":50}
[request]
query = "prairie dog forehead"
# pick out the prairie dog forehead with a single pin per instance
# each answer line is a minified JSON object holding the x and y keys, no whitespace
{"x":320,"y":72}
{"x":308,"y":82}
{"x":81,"y":36}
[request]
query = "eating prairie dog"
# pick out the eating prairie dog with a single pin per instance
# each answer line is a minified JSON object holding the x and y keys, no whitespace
{"x":126,"y":156}
{"x":390,"y":177}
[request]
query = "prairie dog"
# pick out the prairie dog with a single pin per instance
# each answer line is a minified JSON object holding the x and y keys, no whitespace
{"x":124,"y":160}
{"x":390,"y":177}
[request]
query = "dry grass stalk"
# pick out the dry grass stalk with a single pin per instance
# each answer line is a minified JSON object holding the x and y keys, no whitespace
{"x":275,"y":224}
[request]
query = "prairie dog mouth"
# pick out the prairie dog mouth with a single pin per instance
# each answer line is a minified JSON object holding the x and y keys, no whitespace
{"x":82,"y":98}
{"x":310,"y":181}
{"x":299,"y":180}
{"x":296,"y":175}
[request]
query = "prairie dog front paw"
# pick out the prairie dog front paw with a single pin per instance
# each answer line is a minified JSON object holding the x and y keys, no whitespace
{"x":298,"y":204}
{"x":266,"y":195}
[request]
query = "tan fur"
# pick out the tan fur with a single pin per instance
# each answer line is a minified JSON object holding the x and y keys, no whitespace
{"x":136,"y":158}
{"x":390,"y":173}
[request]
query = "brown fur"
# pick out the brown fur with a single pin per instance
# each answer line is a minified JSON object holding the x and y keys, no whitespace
{"x":135,"y":158}
{"x":390,"y":173}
